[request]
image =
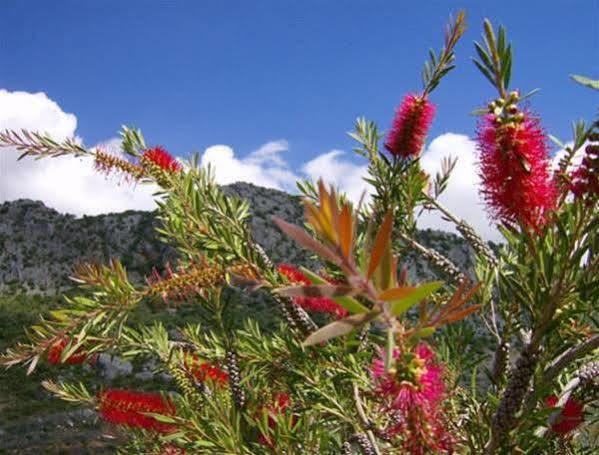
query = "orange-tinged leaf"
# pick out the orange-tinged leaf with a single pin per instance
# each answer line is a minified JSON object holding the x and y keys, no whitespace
{"x":381,"y":243}
{"x":345,"y":231}
{"x":302,"y":237}
{"x":396,"y":293}
{"x":456,"y":316}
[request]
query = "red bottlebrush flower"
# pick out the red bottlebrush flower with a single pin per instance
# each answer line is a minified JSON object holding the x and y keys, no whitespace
{"x":570,"y":416}
{"x":412,"y":394}
{"x":125,"y":407}
{"x":160,"y":157}
{"x":420,"y":382}
{"x":279,"y":403}
{"x":585,"y":178}
{"x":314,"y":304}
{"x":205,"y":371}
{"x":56,"y":350}
{"x":412,"y":120}
{"x":515,"y":173}
{"x":293,"y":274}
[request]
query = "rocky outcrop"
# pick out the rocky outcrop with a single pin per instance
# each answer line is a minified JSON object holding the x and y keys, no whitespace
{"x":39,"y":246}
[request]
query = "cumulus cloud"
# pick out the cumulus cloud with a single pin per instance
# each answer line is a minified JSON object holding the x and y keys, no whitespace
{"x":264,"y":167}
{"x":345,"y":175}
{"x":73,"y":186}
{"x":461,"y":196}
{"x":65,"y":184}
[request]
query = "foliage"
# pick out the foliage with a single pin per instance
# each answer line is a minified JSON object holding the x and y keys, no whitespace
{"x":392,"y":366}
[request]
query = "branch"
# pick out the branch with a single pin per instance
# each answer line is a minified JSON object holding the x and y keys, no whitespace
{"x":435,"y":258}
{"x":468,"y":232}
{"x":557,"y":366}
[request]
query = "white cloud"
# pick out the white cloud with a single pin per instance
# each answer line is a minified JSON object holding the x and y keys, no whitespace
{"x":344,"y":174}
{"x":264,"y":167}
{"x":65,"y":184}
{"x":73,"y":186}
{"x":461,"y":196}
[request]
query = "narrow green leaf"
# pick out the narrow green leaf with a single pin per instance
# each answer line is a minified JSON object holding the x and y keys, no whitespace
{"x":485,"y":72}
{"x":587,"y":82}
{"x":506,"y":67}
{"x":400,"y":306}
{"x":501,"y":40}
{"x":483,"y":56}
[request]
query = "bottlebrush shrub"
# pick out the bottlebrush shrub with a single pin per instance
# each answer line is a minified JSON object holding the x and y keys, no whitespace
{"x":392,"y":367}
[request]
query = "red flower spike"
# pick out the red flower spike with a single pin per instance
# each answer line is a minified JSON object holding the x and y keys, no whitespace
{"x":205,"y":371}
{"x":412,"y":121}
{"x":570,"y":415}
{"x":125,"y":407}
{"x":56,"y":350}
{"x":514,"y":170}
{"x":160,"y":157}
{"x":313,"y":304}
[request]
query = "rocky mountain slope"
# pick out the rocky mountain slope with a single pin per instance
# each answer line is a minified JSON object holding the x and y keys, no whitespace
{"x":39,"y":246}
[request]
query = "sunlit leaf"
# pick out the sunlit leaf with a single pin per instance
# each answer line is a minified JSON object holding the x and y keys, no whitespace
{"x":339,"y":328}
{"x":302,"y":237}
{"x":381,"y":243}
{"x":400,"y":306}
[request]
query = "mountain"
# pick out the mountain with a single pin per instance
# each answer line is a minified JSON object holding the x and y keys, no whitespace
{"x":39,"y":246}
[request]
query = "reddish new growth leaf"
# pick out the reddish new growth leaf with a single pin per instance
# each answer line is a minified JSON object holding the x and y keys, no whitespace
{"x":161,"y":158}
{"x":412,"y":394}
{"x":126,"y":407}
{"x":514,"y":170}
{"x":56,"y":350}
{"x":570,"y":416}
{"x":205,"y":371}
{"x":314,"y":304}
{"x":412,"y":121}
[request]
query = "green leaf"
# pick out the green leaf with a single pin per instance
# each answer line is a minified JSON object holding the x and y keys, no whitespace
{"x":160,"y":417}
{"x":349,"y":303}
{"x":483,"y":55}
{"x":501,"y":40}
{"x":556,"y":141}
{"x":587,"y":82}
{"x":485,"y":72}
{"x":400,"y":306}
{"x":506,"y":67}
{"x":423,"y":333}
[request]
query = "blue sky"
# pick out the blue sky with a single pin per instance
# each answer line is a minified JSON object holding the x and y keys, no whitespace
{"x":192,"y":74}
{"x":284,"y":78}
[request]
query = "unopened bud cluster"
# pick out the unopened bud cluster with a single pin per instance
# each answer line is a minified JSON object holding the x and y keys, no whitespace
{"x":107,"y":163}
{"x":179,"y":285}
{"x":506,"y":111}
